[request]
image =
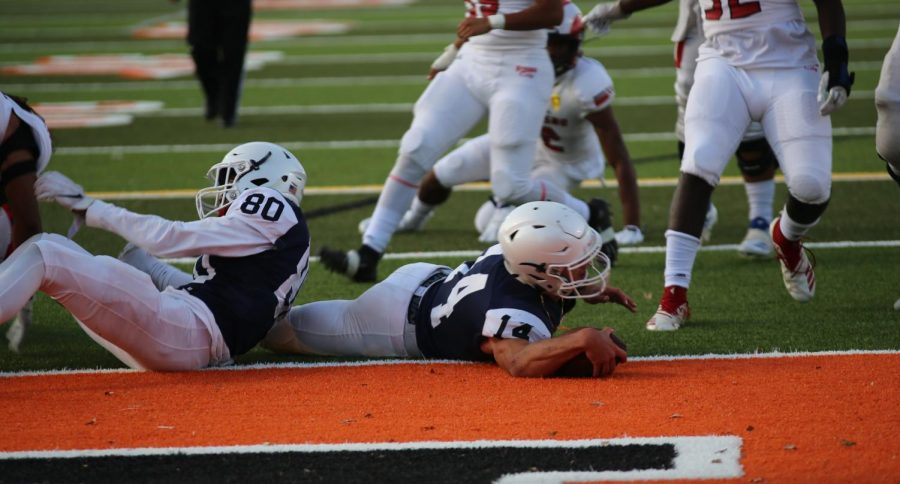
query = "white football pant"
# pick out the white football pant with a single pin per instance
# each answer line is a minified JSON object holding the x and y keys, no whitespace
{"x":887,"y":102}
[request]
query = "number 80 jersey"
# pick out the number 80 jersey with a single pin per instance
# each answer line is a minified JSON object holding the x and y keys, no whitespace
{"x":481,"y":299}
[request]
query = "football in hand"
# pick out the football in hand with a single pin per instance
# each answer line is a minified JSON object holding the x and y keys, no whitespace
{"x":581,"y":366}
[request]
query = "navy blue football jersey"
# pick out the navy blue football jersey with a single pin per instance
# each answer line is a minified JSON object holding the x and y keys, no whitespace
{"x":247,"y":294}
{"x":481,"y":299}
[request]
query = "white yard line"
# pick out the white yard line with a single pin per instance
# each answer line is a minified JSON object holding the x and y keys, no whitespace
{"x":413,"y":361}
{"x":347,"y":144}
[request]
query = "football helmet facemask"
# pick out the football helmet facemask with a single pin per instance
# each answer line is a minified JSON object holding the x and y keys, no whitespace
{"x":550,"y":246}
{"x":564,"y":40}
{"x":251,"y":165}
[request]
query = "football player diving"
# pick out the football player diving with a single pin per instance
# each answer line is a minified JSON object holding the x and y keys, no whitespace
{"x":253,"y":257}
{"x":502,"y":307}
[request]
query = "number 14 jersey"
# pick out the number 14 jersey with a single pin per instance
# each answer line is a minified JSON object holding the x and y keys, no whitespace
{"x":481,"y":299}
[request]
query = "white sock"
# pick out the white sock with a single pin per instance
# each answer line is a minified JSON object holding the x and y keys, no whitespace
{"x":791,"y":229}
{"x":760,"y":197}
{"x":420,"y":209}
{"x":21,"y":276}
{"x":681,"y":250}
{"x":578,"y":205}
{"x":395,"y":198}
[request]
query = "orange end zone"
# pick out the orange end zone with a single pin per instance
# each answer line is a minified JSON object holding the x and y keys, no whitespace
{"x":800,"y":418}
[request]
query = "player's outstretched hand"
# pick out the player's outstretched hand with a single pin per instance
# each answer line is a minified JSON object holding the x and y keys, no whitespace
{"x":614,"y":295}
{"x":55,"y":186}
{"x":605,"y":352}
{"x":602,"y":16}
{"x":473,"y":26}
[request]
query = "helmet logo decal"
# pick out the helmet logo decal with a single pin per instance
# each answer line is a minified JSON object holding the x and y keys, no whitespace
{"x":254,"y":165}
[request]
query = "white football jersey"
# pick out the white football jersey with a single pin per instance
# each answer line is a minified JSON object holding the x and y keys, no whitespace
{"x":499,"y":39}
{"x":758,"y":34}
{"x":38,"y":127}
{"x":568,"y":139}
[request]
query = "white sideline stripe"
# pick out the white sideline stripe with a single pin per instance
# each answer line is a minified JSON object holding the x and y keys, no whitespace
{"x":631,"y":73}
{"x":697,"y":457}
{"x":350,"y":144}
{"x":388,"y":362}
{"x":668,"y":100}
{"x":468,"y":187}
{"x":658,"y":249}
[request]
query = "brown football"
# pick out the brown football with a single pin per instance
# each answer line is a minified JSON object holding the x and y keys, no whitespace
{"x":580,"y":366}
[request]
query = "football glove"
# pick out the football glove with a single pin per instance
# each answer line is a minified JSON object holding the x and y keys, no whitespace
{"x":834,"y":86}
{"x":602,"y":15}
{"x":445,"y":59}
{"x":57,"y":187}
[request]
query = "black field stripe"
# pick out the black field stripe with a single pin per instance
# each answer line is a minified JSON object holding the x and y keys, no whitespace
{"x":451,"y":466}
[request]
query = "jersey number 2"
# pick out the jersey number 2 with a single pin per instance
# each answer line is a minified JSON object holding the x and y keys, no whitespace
{"x":738,"y":9}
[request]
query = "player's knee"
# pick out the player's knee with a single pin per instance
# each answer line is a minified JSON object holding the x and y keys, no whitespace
{"x":709,"y":176}
{"x":511,"y":188}
{"x":755,"y":158}
{"x":809,"y":189}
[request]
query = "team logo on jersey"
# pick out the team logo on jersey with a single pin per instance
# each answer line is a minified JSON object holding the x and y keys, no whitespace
{"x":526,"y":71}
{"x":554,"y":101}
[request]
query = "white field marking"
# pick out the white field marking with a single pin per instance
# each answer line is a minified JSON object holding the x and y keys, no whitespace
{"x":668,"y":100}
{"x":697,"y":457}
{"x":657,"y":249}
{"x":468,"y":187}
{"x":411,"y":361}
{"x":124,"y":86}
{"x":708,"y":457}
{"x":351,"y":144}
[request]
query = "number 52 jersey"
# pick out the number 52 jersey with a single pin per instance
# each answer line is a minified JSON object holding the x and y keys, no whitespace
{"x":481,"y":299}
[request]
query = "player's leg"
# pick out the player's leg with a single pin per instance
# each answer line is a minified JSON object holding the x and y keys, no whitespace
{"x":163,"y":275}
{"x":757,"y":163}
{"x":445,"y":112}
{"x":235,"y":23}
{"x":517,"y":109}
{"x":469,"y":163}
{"x":374,"y":324}
{"x":117,"y":302}
{"x":801,"y":139}
{"x":714,"y":124}
{"x":686,"y":52}
{"x":201,"y":38}
{"x":887,"y":102}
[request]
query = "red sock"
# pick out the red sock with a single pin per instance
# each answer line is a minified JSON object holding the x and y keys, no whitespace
{"x":673,"y":297}
{"x":788,"y":249}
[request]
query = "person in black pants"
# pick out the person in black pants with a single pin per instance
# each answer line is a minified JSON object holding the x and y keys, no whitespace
{"x":217,"y":34}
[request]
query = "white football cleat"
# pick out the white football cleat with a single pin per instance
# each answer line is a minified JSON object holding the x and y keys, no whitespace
{"x":630,"y":235}
{"x":798,"y":275}
{"x":712,"y":216}
{"x":757,"y":244}
{"x":666,"y":321}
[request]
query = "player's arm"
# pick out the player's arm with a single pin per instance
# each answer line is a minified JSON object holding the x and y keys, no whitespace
{"x":614,"y":295}
{"x":543,"y":358}
{"x":603,"y":14}
{"x":613,"y":145}
{"x":836,"y":81}
{"x":543,"y":14}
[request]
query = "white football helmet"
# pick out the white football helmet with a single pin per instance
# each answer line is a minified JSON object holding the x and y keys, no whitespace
{"x":251,"y":165}
{"x":550,"y":246}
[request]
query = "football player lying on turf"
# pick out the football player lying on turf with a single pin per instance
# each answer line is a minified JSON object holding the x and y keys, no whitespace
{"x":25,"y":149}
{"x":253,"y":258}
{"x":578,"y":123}
{"x":503,"y":307}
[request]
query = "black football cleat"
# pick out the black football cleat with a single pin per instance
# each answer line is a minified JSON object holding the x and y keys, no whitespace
{"x":360,"y":265}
